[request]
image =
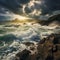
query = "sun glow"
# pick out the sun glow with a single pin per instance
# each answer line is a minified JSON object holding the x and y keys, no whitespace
{"x":21,"y":17}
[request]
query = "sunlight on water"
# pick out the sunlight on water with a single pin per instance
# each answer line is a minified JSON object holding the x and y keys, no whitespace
{"x":13,"y":35}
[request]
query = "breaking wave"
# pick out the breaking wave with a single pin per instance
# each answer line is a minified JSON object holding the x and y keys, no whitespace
{"x":12,"y":37}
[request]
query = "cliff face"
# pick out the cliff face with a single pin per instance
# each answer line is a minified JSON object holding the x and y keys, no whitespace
{"x":47,"y":49}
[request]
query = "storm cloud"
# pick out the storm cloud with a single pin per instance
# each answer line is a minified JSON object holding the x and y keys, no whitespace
{"x":51,"y":5}
{"x":31,"y":8}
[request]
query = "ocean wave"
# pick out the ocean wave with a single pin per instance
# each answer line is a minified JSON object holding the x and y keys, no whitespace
{"x":14,"y":37}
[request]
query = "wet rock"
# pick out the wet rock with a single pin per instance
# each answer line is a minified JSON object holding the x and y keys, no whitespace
{"x":23,"y":55}
{"x":47,"y":49}
{"x":50,"y":49}
{"x":28,"y":43}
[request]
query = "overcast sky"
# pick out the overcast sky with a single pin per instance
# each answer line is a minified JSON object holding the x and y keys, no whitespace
{"x":32,"y":8}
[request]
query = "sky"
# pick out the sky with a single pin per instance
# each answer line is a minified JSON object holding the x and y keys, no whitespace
{"x":39,"y":9}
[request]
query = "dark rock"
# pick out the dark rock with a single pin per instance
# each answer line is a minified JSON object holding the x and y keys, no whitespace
{"x":42,"y":41}
{"x":28,"y":43}
{"x":47,"y":49}
{"x":49,"y":58}
{"x":23,"y":55}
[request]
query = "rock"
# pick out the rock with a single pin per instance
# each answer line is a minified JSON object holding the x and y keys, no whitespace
{"x":47,"y":49}
{"x":23,"y":55}
{"x":28,"y":43}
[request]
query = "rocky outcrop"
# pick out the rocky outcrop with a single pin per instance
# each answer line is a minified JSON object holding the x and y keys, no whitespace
{"x":47,"y":49}
{"x":24,"y":55}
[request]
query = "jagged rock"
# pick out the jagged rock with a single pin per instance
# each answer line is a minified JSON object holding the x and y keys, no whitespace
{"x":24,"y":55}
{"x":28,"y":43}
{"x":47,"y":49}
{"x":50,"y":48}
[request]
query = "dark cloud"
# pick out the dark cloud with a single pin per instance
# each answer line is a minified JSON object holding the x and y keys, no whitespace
{"x":16,"y":6}
{"x":13,"y":5}
{"x":10,"y":7}
{"x":10,"y":4}
{"x":49,"y":6}
{"x":23,"y":1}
{"x":46,"y":5}
{"x":5,"y":14}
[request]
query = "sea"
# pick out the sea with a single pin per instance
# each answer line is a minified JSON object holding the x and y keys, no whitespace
{"x":13,"y":36}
